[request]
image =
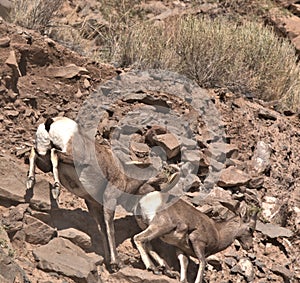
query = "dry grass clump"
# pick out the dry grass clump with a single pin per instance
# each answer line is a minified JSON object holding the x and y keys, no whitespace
{"x":242,"y":57}
{"x":34,"y":14}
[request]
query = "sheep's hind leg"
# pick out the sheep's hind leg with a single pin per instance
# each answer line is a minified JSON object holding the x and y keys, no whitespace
{"x":109,"y":205}
{"x":55,"y":189}
{"x":198,"y":247}
{"x":162,"y":265}
{"x":183,"y":262}
{"x":96,"y":210}
{"x":146,"y":236}
{"x":30,"y":182}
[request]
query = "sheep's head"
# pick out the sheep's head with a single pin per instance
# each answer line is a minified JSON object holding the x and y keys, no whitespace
{"x":247,"y":227}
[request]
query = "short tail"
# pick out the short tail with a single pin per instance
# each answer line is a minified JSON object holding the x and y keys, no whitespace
{"x":48,"y":123}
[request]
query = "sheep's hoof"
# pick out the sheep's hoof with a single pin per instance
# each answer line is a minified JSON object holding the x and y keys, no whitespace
{"x":115,"y":266}
{"x":155,"y":270}
{"x":30,"y":182}
{"x":171,"y":273}
{"x":55,"y":190}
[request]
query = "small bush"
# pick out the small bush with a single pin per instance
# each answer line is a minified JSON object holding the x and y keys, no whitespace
{"x":34,"y":14}
{"x":242,"y":57}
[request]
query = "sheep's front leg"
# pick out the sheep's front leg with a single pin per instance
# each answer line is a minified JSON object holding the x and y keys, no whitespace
{"x":55,"y":190}
{"x":30,"y":182}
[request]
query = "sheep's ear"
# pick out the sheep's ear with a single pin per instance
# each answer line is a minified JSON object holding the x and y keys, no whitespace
{"x":243,"y":212}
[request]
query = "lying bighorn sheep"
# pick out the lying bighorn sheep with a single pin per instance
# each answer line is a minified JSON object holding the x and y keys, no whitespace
{"x":101,"y":190}
{"x":192,"y":232}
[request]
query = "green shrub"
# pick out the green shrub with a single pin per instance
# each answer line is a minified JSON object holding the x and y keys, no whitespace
{"x":242,"y":57}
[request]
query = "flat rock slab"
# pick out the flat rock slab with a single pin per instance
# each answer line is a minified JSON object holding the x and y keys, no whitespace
{"x":134,"y":275}
{"x":13,"y":190}
{"x":64,"y":257}
{"x":273,"y":231}
{"x":36,"y":231}
{"x":232,"y":177}
{"x":196,"y":157}
{"x":77,"y":237}
{"x":221,"y":151}
{"x":68,"y":72}
{"x":12,"y":182}
{"x":282,"y":271}
{"x":41,"y":199}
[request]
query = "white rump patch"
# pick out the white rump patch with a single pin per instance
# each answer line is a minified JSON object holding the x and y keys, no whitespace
{"x":150,"y":204}
{"x":42,"y":140}
{"x":61,"y":131}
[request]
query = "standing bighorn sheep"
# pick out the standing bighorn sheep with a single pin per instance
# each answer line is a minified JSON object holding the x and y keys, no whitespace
{"x":192,"y":232}
{"x":101,"y":189}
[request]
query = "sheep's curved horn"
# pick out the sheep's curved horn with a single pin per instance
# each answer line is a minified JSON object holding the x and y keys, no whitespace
{"x":174,"y":166}
{"x":172,"y":181}
{"x":135,"y":162}
{"x":231,"y":206}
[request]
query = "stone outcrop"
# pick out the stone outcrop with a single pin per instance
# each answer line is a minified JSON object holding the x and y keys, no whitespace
{"x":288,"y":24}
{"x":240,"y":171}
{"x":62,"y":256}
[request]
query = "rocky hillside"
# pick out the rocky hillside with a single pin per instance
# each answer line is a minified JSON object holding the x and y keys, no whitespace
{"x":45,"y":241}
{"x":89,"y":27}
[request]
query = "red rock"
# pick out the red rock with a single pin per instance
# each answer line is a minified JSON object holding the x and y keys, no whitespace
{"x":169,"y":143}
{"x":152,"y":132}
{"x":232,"y":177}
{"x":289,"y":25}
{"x":11,"y":113}
{"x":67,"y":72}
{"x":36,"y":231}
{"x":4,"y":41}
{"x":11,"y":61}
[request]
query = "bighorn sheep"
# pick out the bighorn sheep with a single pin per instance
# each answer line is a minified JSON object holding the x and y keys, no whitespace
{"x":192,"y":232}
{"x":101,"y":190}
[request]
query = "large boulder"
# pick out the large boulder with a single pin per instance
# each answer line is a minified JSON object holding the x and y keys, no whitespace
{"x":36,"y":231}
{"x":272,"y":230}
{"x":63,"y":257}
